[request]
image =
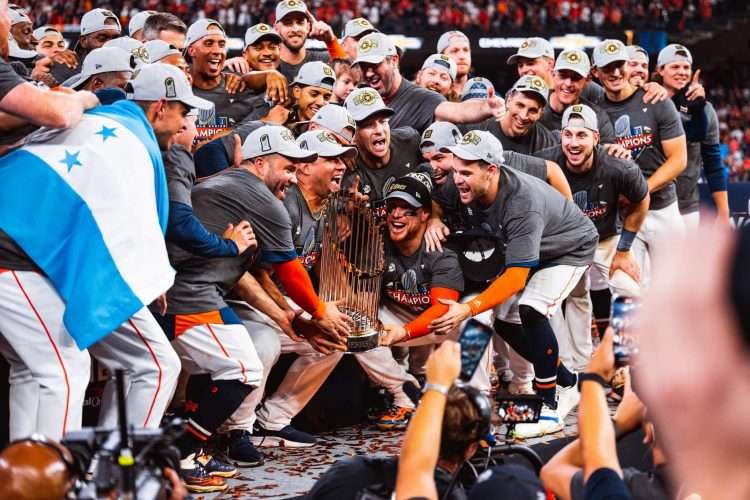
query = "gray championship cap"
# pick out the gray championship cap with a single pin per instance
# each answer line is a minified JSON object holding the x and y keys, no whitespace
{"x":533,"y":84}
{"x":610,"y":51}
{"x":364,"y":102}
{"x":274,"y":139}
{"x":260,"y":31}
{"x":18,"y":16}
{"x":336,"y":119}
{"x":476,"y":88}
{"x":574,"y":60}
{"x":159,"y":49}
{"x":582,"y":112}
{"x":531,"y":48}
{"x":286,"y":7}
{"x":325,"y":145}
{"x":439,"y":135}
{"x":98,"y":61}
{"x":316,"y":74}
{"x":637,"y":52}
{"x":674,"y":53}
{"x":374,"y":48}
{"x":154,"y":82}
{"x":415,"y":188}
{"x":200,"y":29}
{"x":479,"y":145}
{"x":139,"y":20}
{"x":358,"y":27}
{"x":94,"y":21}
{"x":132,"y":47}
{"x":43,"y":31}
{"x":441,"y":62}
{"x":447,"y":38}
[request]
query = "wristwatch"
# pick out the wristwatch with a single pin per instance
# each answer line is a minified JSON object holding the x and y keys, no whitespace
{"x":582,"y":377}
{"x":429,"y":386}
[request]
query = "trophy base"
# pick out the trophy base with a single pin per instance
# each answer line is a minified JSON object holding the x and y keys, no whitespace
{"x":362,"y":343}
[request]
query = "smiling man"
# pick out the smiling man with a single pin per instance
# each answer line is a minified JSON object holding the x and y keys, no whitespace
{"x":438,"y":73}
{"x":457,"y":46}
{"x":384,"y":153}
{"x":654,"y":135}
{"x":262,"y":47}
{"x":597,"y":181}
{"x":570,"y":76}
{"x":520,"y":129}
{"x":312,"y":89}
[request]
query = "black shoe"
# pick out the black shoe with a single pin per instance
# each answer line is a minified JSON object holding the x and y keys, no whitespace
{"x":216,"y":465}
{"x":288,"y":437}
{"x":239,"y":448}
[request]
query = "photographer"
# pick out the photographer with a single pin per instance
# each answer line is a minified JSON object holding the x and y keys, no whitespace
{"x":450,"y":418}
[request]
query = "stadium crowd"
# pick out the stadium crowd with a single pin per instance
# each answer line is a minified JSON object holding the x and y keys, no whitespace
{"x":164,"y":210}
{"x":404,"y":16}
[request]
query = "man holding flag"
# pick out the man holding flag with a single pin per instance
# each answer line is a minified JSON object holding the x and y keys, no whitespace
{"x":77,"y":271}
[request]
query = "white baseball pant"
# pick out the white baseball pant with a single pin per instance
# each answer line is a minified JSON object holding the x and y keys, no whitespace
{"x":141,"y":348}
{"x":573,"y":329}
{"x":659,"y":227}
{"x":48,"y":372}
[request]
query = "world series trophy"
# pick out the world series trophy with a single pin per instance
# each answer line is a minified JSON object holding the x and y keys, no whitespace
{"x":351,"y":268}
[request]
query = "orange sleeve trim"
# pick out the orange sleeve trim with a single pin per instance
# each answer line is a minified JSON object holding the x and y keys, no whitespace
{"x":335,"y":50}
{"x":420,"y":326}
{"x":299,"y":287}
{"x":507,"y":284}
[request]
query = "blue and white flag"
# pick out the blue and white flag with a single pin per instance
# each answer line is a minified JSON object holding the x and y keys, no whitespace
{"x":89,"y":206}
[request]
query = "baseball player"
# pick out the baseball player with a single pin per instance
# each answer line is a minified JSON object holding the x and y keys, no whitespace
{"x":637,"y":65}
{"x":597,"y":180}
{"x":385,"y":153}
{"x":674,"y":66}
{"x":549,"y":244}
{"x":354,"y":30}
{"x":135,"y":26}
{"x":105,"y":67}
{"x":519,"y":129}
{"x":476,"y":88}
{"x":412,"y":105}
{"x":98,"y":26}
{"x":457,"y":46}
{"x":295,"y":24}
{"x":312,"y":89}
{"x":49,"y":41}
{"x":569,"y":77}
{"x":654,"y":135}
{"x":262,"y":48}
{"x":21,"y":29}
{"x":437,"y":73}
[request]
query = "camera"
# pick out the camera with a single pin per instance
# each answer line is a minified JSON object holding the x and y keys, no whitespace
{"x":621,"y":321}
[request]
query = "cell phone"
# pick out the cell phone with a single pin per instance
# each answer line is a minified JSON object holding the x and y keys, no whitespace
{"x":622,"y":322}
{"x":473,"y":340}
{"x":522,"y":409}
{"x":62,"y":72}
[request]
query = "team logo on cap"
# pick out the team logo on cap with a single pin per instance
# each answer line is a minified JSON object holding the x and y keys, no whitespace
{"x":327,"y":71}
{"x":368,"y":44}
{"x":286,"y":135}
{"x":351,"y":121}
{"x":107,"y":13}
{"x":471,"y":137}
{"x":573,"y":57}
{"x":327,"y":137}
{"x":427,"y":134}
{"x":170,"y":89}
{"x":537,"y":83}
{"x":577,"y":109}
{"x":366,"y":98}
{"x":292,"y":3}
{"x":363,"y":22}
{"x":612,"y":48}
{"x":142,"y":54}
{"x":422,"y":179}
{"x":262,"y":28}
{"x":528,"y":43}
{"x":679,"y":47}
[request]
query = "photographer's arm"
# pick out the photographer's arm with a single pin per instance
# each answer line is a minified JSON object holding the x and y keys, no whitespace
{"x":419,"y":454}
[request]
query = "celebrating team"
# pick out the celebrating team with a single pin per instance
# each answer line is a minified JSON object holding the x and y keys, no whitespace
{"x":510,"y":209}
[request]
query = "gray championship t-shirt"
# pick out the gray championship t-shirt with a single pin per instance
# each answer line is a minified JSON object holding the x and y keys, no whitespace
{"x":593,"y":92}
{"x":687,"y":182}
{"x":228,"y":198}
{"x":552,"y":120}
{"x":641,"y":128}
{"x":307,"y":228}
{"x":413,"y":106}
{"x":290,"y":70}
{"x":409,"y":279}
{"x":9,"y":79}
{"x":180,"y":169}
{"x":405,"y":157}
{"x":597,"y":191}
{"x":538,"y":226}
{"x":229,"y":110}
